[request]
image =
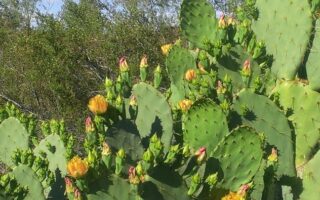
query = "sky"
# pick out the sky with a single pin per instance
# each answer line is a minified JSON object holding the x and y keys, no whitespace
{"x":51,"y":6}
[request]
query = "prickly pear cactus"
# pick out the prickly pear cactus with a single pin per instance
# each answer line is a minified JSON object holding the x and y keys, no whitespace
{"x":264,"y":116}
{"x":240,"y":156}
{"x":302,"y":106}
{"x":286,"y":34}
{"x":313,"y":64}
{"x":120,"y":189}
{"x":53,"y":148}
{"x":204,"y":125}
{"x":311,"y":179}
{"x":198,"y":23}
{"x":153,"y":119}
{"x":178,"y":62}
{"x":27,"y":177}
{"x":13,"y":136}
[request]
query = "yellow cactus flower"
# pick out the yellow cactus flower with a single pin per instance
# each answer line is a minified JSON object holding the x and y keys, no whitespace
{"x":98,"y":105}
{"x":190,"y":75}
{"x":233,"y":196}
{"x":185,"y":104}
{"x":77,"y":167}
{"x":166,"y":48}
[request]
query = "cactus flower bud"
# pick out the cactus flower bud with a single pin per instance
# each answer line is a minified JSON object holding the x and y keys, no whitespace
{"x":139,"y":169}
{"x":190,"y":75}
{"x":148,"y":156}
{"x":220,"y":88}
{"x":185,"y":105}
{"x":69,"y":185}
{"x":222,"y":22}
{"x":77,"y":194}
{"x":166,"y":49}
{"x":123,"y":65}
{"x":231,"y":21}
{"x":201,"y":154}
{"x":212,"y":179}
{"x":158,"y":69}
{"x":133,"y":101}
{"x":108,"y":82}
{"x":144,"y":62}
{"x":89,"y":125}
{"x":243,"y":190}
{"x":273,"y":157}
{"x":186,"y":151}
{"x":106,"y":150}
{"x":246,"y":69}
{"x":77,"y":167}
{"x":98,"y":105}
{"x":195,"y":182}
{"x":133,"y":178}
{"x":121,"y":153}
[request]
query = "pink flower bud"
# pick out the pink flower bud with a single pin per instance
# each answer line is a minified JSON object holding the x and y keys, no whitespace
{"x":123,"y":65}
{"x":201,"y":154}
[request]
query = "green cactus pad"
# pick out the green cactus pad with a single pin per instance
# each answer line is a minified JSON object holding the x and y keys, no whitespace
{"x":313,"y":63}
{"x":311,"y":179}
{"x":154,"y":114}
{"x":13,"y":136}
{"x":178,"y":62}
{"x":240,"y":155}
{"x":204,"y":125}
{"x":303,"y":105}
{"x":266,"y":117}
{"x":116,"y":189}
{"x":258,"y":183}
{"x":27,"y":177}
{"x":125,"y":135}
{"x":57,"y":159}
{"x":231,"y":65}
{"x":198,"y":22}
{"x":285,"y":26}
{"x":160,"y":187}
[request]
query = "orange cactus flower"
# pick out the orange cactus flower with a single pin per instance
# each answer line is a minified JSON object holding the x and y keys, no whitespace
{"x":190,"y":75}
{"x":233,"y":196}
{"x":98,"y":105}
{"x":185,"y":104}
{"x":77,"y":167}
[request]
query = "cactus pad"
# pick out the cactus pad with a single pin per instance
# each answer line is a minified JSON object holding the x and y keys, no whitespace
{"x":311,"y":179}
{"x":240,"y":156}
{"x":231,"y":65}
{"x":303,"y":105}
{"x":124,"y":135}
{"x":159,"y":187}
{"x":204,"y":125}
{"x":56,"y":155}
{"x":178,"y":62}
{"x":198,"y":22}
{"x":154,"y":113}
{"x":268,"y":119}
{"x":13,"y":136}
{"x":313,"y":63}
{"x":285,"y":26}
{"x":117,"y":189}
{"x":26,"y":177}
